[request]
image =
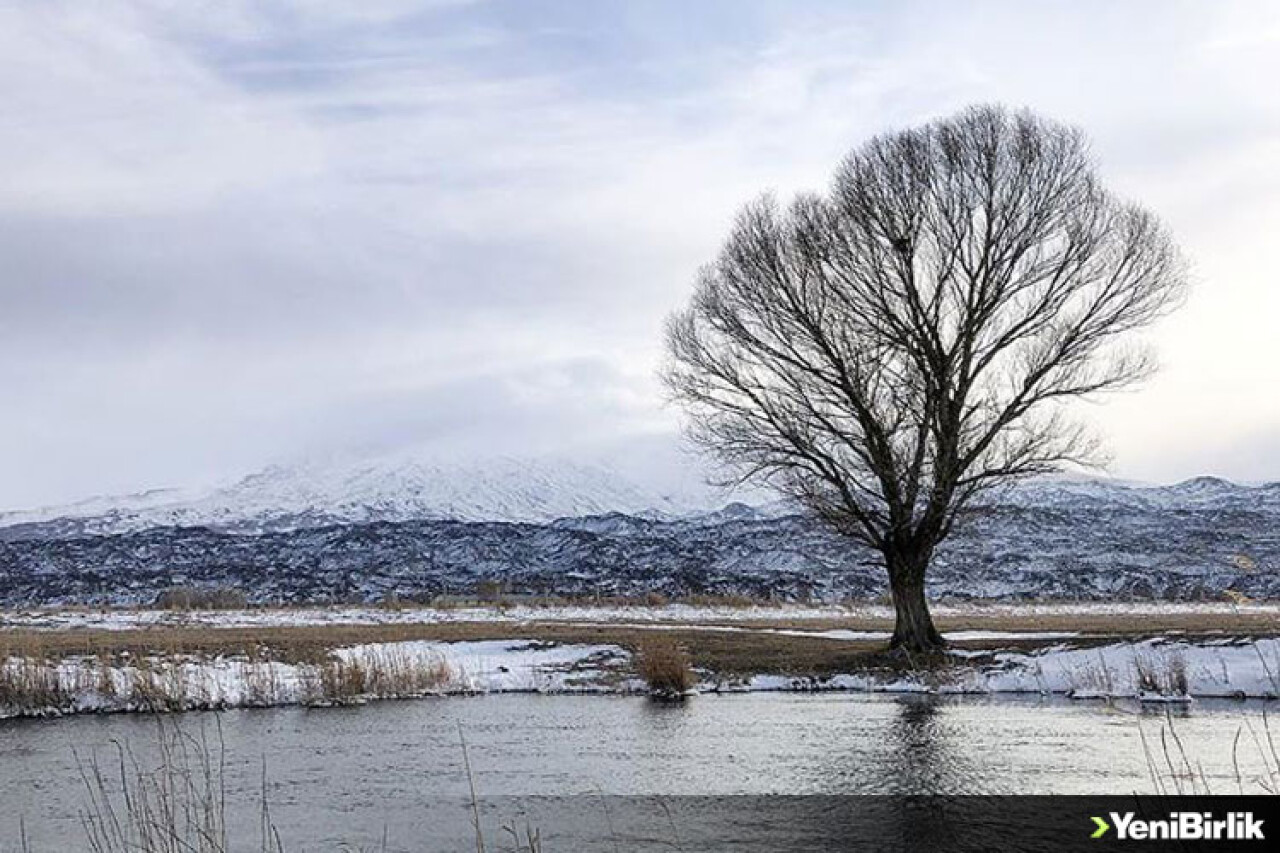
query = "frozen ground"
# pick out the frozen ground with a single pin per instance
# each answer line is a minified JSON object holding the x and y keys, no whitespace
{"x":352,"y":675}
{"x":1029,"y":648}
{"x":1158,"y":669}
{"x":124,"y":619}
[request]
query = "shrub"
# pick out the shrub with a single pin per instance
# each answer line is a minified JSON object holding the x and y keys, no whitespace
{"x":157,"y":686}
{"x":201,"y":598}
{"x":665,"y":667}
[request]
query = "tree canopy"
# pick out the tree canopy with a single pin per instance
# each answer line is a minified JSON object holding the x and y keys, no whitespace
{"x":884,"y":351}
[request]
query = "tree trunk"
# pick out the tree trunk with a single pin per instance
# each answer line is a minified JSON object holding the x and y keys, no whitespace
{"x":913,"y":631}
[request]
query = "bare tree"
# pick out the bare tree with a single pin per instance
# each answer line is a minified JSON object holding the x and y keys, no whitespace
{"x":886,"y":351}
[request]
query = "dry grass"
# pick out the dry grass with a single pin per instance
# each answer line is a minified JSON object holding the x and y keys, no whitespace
{"x":665,"y":666}
{"x":378,"y":673}
{"x":1255,"y":759}
{"x":1160,"y":673}
{"x":32,"y":686}
{"x":729,"y":652}
{"x":157,"y":686}
{"x":177,"y":805}
{"x":202,"y":598}
{"x":164,"y":683}
{"x":132,"y":662}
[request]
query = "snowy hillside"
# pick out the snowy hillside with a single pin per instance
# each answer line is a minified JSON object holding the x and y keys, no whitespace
{"x":537,"y":490}
{"x":1078,"y":492}
{"x":391,"y":488}
{"x":366,"y":530}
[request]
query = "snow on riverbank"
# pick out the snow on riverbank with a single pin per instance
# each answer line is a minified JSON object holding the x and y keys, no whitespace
{"x":350,"y":676}
{"x":121,"y":619}
{"x":1150,"y":670}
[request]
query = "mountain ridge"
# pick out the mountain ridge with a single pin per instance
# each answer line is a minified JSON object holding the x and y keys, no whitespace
{"x":367,"y":530}
{"x":535,"y":489}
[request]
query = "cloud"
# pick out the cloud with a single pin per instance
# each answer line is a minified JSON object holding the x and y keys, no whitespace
{"x":232,"y":232}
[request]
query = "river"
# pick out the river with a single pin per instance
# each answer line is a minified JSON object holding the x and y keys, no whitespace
{"x":396,"y":769}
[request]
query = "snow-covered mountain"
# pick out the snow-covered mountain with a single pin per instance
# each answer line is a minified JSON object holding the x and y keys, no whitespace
{"x":1077,"y":492}
{"x":535,"y":490}
{"x":349,"y":530}
{"x":387,"y":488}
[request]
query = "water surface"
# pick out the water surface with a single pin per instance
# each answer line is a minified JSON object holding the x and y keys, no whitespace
{"x":351,"y":774}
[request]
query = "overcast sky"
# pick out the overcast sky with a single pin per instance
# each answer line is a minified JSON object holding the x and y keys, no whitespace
{"x":239,"y":232}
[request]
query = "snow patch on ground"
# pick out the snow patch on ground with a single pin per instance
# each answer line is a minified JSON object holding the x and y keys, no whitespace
{"x":354,"y":675}
{"x":122,"y":619}
{"x":1151,"y":670}
{"x":1159,"y":669}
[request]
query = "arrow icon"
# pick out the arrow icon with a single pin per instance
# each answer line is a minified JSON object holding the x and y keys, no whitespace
{"x":1103,"y":826}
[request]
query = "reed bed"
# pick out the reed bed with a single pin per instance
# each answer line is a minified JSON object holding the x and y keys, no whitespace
{"x":33,"y":684}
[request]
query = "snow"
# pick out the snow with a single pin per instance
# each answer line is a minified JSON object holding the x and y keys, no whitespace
{"x":1221,"y":669}
{"x":984,"y":636}
{"x":507,"y":666}
{"x":681,"y":614}
{"x":1154,"y":670}
{"x":1176,"y":671}
{"x":497,"y":666}
{"x":411,"y":485}
{"x":391,"y":487}
{"x":1171,"y":668}
{"x":314,"y":532}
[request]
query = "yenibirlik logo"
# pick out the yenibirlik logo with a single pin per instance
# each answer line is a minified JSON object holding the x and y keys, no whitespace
{"x":1183,"y":826}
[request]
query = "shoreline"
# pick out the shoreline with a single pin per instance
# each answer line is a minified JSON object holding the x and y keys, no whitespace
{"x":193,"y":667}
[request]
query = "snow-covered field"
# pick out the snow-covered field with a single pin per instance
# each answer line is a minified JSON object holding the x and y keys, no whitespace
{"x":125,"y":619}
{"x":352,"y":675}
{"x":1150,"y":670}
{"x":1158,"y":670}
{"x":1066,"y":662}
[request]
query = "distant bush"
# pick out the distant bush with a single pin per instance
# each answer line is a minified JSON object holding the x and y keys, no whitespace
{"x":393,"y":601}
{"x":201,"y":598}
{"x":664,"y":665}
{"x":720,"y":600}
{"x":1236,"y":597}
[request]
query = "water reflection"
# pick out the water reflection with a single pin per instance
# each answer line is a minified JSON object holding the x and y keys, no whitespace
{"x":922,"y":757}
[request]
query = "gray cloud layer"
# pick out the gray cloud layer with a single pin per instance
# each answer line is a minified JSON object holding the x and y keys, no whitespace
{"x":236,"y":232}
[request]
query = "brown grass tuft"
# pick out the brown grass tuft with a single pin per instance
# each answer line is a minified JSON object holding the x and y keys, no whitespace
{"x":664,"y":665}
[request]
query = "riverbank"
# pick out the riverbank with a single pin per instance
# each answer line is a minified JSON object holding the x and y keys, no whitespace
{"x":60,"y":662}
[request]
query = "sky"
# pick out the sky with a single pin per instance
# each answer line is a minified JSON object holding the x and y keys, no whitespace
{"x":241,"y":232}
